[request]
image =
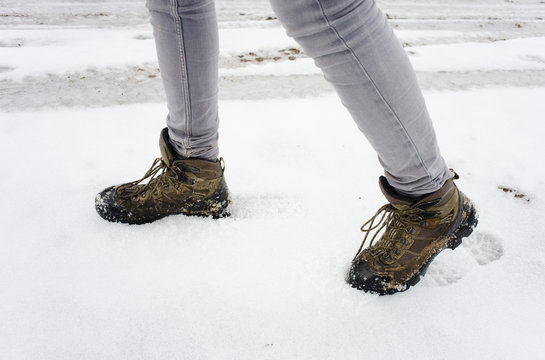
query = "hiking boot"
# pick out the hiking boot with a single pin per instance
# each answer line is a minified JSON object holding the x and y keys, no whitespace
{"x":174,"y":186}
{"x":415,"y":231}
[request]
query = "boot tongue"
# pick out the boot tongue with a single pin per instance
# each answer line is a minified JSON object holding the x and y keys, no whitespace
{"x":167,"y":152}
{"x":397,"y":200}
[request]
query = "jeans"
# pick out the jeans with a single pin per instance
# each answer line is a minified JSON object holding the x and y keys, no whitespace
{"x":358,"y":53}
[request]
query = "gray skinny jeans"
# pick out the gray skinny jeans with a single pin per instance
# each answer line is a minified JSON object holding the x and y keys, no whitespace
{"x":349,"y":40}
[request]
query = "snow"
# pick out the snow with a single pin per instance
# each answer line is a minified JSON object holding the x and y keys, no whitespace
{"x":268,"y":282}
{"x":527,"y":53}
{"x":95,"y":48}
{"x":80,"y":48}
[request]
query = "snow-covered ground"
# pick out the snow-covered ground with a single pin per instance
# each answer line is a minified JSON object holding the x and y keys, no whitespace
{"x":82,"y":106}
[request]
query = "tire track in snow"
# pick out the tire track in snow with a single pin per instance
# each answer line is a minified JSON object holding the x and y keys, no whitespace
{"x":110,"y":87}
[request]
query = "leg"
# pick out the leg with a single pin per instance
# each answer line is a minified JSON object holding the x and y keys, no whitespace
{"x":186,"y":179}
{"x":360,"y":55}
{"x":186,"y":37}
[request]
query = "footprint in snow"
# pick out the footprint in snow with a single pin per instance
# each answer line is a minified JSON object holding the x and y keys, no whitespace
{"x":4,"y":69}
{"x":481,"y":248}
{"x":143,"y":37}
{"x":245,"y":206}
{"x":533,"y":58}
{"x":484,"y":247}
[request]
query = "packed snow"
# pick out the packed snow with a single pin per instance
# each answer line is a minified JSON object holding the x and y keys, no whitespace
{"x":81,"y":108}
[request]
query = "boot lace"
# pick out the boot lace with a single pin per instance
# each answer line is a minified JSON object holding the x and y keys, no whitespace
{"x":396,"y":223}
{"x":161,"y":177}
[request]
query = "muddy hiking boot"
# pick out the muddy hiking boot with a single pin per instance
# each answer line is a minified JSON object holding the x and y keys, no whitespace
{"x":174,"y":186}
{"x":415,"y":231}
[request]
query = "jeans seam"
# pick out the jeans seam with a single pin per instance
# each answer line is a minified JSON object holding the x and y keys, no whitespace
{"x":184,"y":76}
{"x":396,"y":117}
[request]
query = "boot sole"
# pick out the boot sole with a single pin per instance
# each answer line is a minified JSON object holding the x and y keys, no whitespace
{"x":468,"y":223}
{"x":216,"y":207}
